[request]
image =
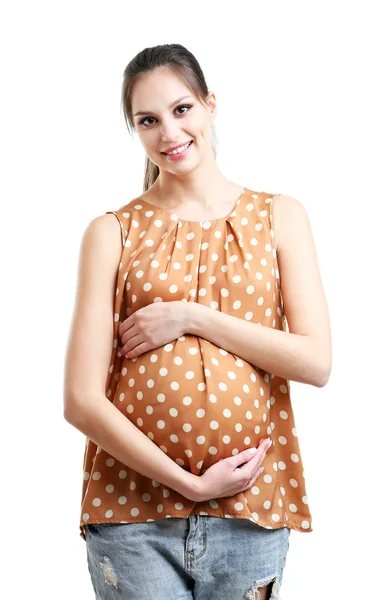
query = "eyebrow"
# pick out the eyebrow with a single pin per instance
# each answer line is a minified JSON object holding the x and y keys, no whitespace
{"x":140,"y":112}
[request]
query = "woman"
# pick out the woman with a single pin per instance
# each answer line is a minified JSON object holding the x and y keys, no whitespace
{"x":179,"y":292}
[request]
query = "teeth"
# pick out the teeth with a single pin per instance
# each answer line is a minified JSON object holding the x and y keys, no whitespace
{"x":179,"y":150}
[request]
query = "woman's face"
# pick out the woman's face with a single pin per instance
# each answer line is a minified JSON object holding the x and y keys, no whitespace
{"x":169,"y":119}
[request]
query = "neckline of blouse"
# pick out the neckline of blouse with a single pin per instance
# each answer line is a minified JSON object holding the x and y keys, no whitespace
{"x":171,"y":214}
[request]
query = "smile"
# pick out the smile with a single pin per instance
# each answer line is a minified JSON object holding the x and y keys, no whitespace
{"x":179,"y":153}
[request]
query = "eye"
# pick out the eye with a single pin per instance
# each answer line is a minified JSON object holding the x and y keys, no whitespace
{"x":142,"y":121}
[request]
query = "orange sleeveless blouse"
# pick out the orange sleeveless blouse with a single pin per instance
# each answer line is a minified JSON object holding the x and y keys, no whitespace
{"x":196,"y":401}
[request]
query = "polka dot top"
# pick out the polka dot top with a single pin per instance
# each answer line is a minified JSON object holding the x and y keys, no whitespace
{"x":195,"y":400}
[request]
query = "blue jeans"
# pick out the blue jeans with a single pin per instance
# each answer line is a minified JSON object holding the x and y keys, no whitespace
{"x":199,"y":557}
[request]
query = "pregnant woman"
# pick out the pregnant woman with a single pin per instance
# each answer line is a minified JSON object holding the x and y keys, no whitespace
{"x":179,"y":361}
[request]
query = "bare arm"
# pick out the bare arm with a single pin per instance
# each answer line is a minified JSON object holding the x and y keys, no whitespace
{"x":304,"y":354}
{"x":90,"y":342}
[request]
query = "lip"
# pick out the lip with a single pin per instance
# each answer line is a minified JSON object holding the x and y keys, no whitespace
{"x":175,"y":147}
{"x":180,"y":156}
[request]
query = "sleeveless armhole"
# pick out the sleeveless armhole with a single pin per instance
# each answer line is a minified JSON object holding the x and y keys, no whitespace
{"x":122,"y":231}
{"x":271,"y":202}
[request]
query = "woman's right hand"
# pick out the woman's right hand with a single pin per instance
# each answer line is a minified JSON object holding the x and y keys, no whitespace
{"x":227,"y":478}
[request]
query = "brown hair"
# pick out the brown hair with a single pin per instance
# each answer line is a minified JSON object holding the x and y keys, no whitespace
{"x":174,"y":58}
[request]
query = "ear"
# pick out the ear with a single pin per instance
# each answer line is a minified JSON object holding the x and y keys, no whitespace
{"x":212,"y":104}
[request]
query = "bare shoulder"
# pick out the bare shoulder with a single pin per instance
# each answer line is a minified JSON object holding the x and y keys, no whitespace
{"x":103,"y":233}
{"x":101,"y":248}
{"x":290,"y":216}
{"x":107,"y":223}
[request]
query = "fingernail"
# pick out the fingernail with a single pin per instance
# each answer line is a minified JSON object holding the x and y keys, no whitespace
{"x":253,"y":450}
{"x":269,"y":443}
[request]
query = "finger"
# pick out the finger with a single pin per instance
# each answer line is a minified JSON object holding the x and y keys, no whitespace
{"x":140,"y":349}
{"x":262,"y":450}
{"x":259,"y":472}
{"x":128,"y":334}
{"x":262,"y":453}
{"x":131,"y":344}
{"x":265,"y":446}
{"x":124,"y":325}
{"x":126,"y":328}
{"x":247,"y":455}
{"x":266,"y":442}
{"x":243,"y":457}
{"x":251,"y":481}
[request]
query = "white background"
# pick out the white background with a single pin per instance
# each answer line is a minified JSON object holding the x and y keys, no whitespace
{"x":304,"y":109}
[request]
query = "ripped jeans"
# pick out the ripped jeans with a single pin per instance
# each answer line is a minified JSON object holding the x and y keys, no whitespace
{"x":199,"y":557}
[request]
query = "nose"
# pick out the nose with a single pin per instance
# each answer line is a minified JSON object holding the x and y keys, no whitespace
{"x":169,"y":132}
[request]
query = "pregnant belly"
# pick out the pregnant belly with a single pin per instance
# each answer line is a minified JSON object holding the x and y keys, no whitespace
{"x":196,"y":401}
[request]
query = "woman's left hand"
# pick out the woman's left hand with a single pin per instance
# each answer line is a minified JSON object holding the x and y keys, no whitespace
{"x":152,"y":326}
